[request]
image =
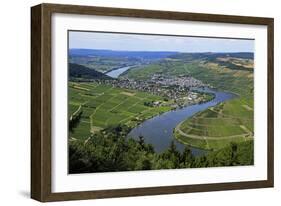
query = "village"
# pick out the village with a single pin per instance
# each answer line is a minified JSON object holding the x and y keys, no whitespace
{"x":178,"y":89}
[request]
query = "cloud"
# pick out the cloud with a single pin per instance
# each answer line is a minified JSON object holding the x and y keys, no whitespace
{"x":139,"y":42}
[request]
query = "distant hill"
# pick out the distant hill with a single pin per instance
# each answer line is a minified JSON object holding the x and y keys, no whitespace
{"x":79,"y":71}
{"x":213,"y":56}
{"x":128,"y":54}
{"x":229,"y":60}
{"x":225,"y":71}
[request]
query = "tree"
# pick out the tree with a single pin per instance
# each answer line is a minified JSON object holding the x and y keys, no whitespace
{"x":187,"y":157}
{"x":173,"y":148}
{"x":174,"y":155}
{"x":74,"y":120}
{"x":141,"y":141}
{"x":146,"y":164}
{"x":234,"y":157}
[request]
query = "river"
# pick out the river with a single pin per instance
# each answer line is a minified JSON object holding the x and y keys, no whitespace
{"x":115,"y":73}
{"x":158,"y":130}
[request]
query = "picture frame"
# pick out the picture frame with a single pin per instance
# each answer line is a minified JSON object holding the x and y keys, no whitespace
{"x":41,"y":101}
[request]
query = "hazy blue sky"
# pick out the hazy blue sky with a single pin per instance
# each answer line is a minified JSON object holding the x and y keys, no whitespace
{"x":133,"y":42}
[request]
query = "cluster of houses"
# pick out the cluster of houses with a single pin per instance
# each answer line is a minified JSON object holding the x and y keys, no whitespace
{"x":171,"y":88}
{"x":180,"y":81}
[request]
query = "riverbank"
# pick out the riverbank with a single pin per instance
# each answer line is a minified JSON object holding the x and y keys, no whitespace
{"x":158,"y":130}
{"x":218,"y":126}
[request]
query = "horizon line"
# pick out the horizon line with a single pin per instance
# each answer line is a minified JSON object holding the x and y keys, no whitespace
{"x":160,"y":51}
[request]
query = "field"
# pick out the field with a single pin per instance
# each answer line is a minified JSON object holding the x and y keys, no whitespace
{"x":103,"y":106}
{"x":218,"y":126}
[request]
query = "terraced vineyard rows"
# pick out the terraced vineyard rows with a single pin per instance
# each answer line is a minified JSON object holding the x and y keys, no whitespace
{"x":104,"y":106}
{"x":218,"y":126}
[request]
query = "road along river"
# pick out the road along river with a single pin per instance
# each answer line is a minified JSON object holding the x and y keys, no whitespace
{"x":158,"y":130}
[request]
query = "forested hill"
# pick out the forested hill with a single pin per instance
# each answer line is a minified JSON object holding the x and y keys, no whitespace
{"x":115,"y":54}
{"x":79,"y":71}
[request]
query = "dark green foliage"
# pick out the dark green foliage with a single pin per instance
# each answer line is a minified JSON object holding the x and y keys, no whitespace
{"x":148,"y":103}
{"x":233,"y":155}
{"x":186,"y":157}
{"x":74,"y":120}
{"x":111,"y":150}
{"x":79,"y":71}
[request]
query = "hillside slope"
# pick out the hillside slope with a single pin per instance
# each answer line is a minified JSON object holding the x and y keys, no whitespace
{"x":79,"y":71}
{"x":225,"y":71}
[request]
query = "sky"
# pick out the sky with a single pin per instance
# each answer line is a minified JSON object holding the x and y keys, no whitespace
{"x":136,"y":42}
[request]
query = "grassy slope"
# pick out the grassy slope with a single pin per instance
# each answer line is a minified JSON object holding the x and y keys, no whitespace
{"x":218,"y":126}
{"x":104,"y":106}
